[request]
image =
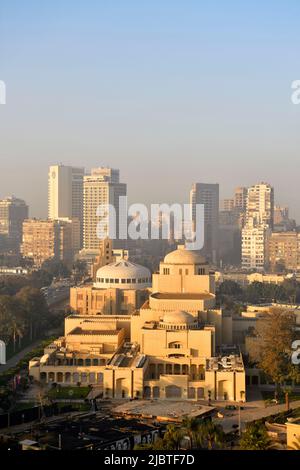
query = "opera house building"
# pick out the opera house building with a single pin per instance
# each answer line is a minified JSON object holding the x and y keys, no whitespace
{"x":136,"y":341}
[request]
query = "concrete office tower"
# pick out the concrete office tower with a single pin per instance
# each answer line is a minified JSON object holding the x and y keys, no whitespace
{"x":240,"y":198}
{"x":260,"y":205}
{"x":281,"y":214}
{"x":227,"y":205}
{"x":47,"y":239}
{"x":13,"y":212}
{"x":101,"y":188}
{"x":208,"y":195}
{"x":65,"y":194}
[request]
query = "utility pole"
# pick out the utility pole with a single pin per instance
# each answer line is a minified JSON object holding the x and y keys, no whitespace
{"x":242,"y":393}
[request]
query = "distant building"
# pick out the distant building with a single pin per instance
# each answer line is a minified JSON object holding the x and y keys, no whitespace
{"x":229,"y":238}
{"x":282,"y":221}
{"x":284,"y":251}
{"x":281,"y":214}
{"x":13,"y":212}
{"x":258,"y":226}
{"x":107,"y":254}
{"x":240,"y":198}
{"x":208,"y":195}
{"x":101,"y":188}
{"x":227,"y":205}
{"x":47,"y":239}
{"x":260,"y":205}
{"x":255,"y":246}
{"x":65,"y":194}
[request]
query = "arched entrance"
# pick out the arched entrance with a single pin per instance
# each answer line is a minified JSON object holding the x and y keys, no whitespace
{"x":121,"y":388}
{"x":224,"y":390}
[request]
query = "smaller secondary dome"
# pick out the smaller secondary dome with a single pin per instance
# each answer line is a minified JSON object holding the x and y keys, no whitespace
{"x":123,"y":274}
{"x":178,"y":319}
{"x":184,"y":256}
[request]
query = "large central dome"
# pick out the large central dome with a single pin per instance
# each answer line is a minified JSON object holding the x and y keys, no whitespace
{"x":184,"y":256}
{"x":123,"y":274}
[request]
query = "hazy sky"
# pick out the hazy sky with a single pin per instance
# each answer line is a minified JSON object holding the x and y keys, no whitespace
{"x":171,"y":92}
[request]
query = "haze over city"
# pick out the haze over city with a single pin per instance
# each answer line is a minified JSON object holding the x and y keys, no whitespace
{"x":169,"y":92}
{"x":149,"y":230}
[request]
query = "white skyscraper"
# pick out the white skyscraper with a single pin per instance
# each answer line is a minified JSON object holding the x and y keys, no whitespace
{"x":65,"y":193}
{"x":101,"y":188}
{"x":260,"y":205}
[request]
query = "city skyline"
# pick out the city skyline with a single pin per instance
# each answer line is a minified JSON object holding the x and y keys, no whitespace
{"x":201,"y":92}
{"x":42,"y":213}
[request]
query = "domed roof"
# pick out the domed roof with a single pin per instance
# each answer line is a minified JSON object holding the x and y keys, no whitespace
{"x":123,"y":274}
{"x":178,"y":317}
{"x":184,"y":256}
{"x":123,"y":268}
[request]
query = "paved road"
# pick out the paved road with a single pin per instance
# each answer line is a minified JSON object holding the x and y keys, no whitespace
{"x":13,"y":361}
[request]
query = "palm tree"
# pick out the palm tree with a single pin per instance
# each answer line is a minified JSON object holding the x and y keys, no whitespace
{"x":191,"y":425}
{"x":255,"y":438}
{"x":173,"y":437}
{"x":211,"y":434}
{"x":17,"y":328}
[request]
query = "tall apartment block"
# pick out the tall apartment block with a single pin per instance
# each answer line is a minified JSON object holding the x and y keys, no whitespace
{"x":13,"y":212}
{"x":208,"y":195}
{"x":255,"y":247}
{"x":258,"y":227}
{"x":65,"y":194}
{"x":260,"y":205}
{"x":47,"y":239}
{"x":101,"y":188}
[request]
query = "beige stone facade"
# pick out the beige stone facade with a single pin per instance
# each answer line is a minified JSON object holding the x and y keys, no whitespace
{"x":170,"y":348}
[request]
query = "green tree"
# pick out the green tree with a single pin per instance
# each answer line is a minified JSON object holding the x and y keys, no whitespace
{"x":12,"y":324}
{"x":211,"y":435}
{"x":35,"y":308}
{"x":173,"y":437}
{"x":56,"y":268}
{"x":191,"y":425}
{"x":255,"y":437}
{"x":275,"y":332}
